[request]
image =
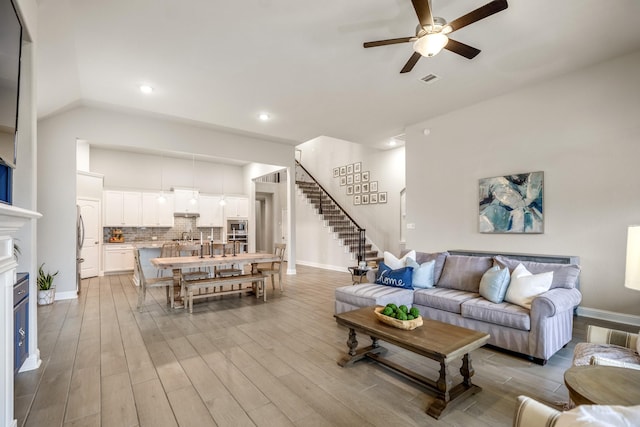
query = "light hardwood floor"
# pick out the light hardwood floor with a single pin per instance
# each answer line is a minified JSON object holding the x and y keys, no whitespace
{"x":237,"y":361}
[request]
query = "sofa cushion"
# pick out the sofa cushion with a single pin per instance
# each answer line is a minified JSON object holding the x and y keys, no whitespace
{"x":505,"y":314}
{"x":366,"y":295}
{"x":423,"y":275}
{"x":399,"y":278}
{"x":422,"y":257}
{"x":494,"y":283}
{"x":524,"y":286}
{"x":396,"y":263}
{"x":442,"y":298}
{"x":564,"y":275}
{"x":464,"y":272}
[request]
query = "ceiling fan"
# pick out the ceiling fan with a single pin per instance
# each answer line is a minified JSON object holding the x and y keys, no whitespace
{"x":432,"y":32}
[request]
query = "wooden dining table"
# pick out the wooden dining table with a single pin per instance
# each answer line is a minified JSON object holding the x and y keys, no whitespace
{"x":176,"y":264}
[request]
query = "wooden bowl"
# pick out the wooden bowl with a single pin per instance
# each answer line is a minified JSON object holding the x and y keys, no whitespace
{"x":400,"y":324}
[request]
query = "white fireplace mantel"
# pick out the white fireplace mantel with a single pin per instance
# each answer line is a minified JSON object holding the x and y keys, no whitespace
{"x":11,"y":220}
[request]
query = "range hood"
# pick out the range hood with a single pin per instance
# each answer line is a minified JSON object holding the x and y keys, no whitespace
{"x":186,"y":214}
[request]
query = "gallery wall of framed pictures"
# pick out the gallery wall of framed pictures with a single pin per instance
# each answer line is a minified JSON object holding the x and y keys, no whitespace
{"x":358,"y":184}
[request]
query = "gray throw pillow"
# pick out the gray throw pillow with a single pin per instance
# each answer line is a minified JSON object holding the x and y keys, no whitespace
{"x":439,"y":257}
{"x":464,"y":272}
{"x":564,"y":275}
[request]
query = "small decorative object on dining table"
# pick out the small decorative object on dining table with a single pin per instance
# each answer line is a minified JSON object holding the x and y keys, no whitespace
{"x":408,"y":325}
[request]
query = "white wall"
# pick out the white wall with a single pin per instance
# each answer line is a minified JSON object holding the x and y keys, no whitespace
{"x":321,"y":155}
{"x":582,"y":130}
{"x":57,"y":166}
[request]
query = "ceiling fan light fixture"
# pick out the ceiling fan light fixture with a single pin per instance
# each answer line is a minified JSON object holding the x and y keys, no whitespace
{"x":430,"y":44}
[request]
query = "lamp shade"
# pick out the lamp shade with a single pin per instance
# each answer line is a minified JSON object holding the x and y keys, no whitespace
{"x":632,"y":273}
{"x":430,"y":44}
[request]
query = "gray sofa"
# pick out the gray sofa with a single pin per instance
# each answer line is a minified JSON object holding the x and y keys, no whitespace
{"x":538,"y":332}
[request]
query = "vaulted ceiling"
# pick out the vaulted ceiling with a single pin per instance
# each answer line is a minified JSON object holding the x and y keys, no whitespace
{"x":221,"y":63}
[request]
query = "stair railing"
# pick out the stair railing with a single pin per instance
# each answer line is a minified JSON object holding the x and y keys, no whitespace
{"x":361,"y":232}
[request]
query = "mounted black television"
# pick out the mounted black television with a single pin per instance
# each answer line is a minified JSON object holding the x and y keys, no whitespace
{"x":10,"y":50}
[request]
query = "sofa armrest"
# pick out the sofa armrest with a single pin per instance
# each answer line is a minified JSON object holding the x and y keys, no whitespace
{"x":531,"y":413}
{"x":555,"y":301}
{"x":371,"y":275}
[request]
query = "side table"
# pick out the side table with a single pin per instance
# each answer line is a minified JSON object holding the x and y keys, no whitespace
{"x":603,"y":385}
{"x":357,"y":274}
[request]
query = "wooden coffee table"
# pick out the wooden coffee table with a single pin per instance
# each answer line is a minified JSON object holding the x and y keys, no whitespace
{"x":603,"y":385}
{"x":438,"y":341}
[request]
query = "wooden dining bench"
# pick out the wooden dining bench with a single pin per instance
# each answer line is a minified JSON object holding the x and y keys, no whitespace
{"x":212,"y":283}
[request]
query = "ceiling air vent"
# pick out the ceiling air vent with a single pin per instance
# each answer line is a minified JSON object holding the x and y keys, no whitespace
{"x":429,"y":78}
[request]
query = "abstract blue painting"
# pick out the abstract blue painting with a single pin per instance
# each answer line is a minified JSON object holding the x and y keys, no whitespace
{"x":512,"y":204}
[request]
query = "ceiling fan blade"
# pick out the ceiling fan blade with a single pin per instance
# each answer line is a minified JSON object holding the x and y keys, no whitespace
{"x":389,"y":41}
{"x":411,"y":63}
{"x":465,"y":50}
{"x":478,"y":14}
{"x":423,"y":10}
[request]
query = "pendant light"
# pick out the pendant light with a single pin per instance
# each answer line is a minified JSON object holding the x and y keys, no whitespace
{"x":194,"y":198}
{"x":222,"y":200}
{"x":161,"y":197}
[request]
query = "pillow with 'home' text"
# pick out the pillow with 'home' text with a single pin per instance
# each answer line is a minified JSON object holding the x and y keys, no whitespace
{"x":398,"y":278}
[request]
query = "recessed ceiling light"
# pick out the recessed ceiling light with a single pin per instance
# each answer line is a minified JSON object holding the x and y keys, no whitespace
{"x":146,"y":89}
{"x":392,"y":142}
{"x":264,"y":117}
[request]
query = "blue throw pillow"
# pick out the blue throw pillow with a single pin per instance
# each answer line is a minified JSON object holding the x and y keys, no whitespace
{"x":494,"y":284}
{"x":423,"y":274}
{"x":400,"y":278}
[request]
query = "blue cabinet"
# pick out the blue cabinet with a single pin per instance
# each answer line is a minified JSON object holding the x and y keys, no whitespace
{"x":20,"y":321}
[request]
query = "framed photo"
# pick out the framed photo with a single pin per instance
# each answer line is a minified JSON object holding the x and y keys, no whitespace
{"x":357,"y":167}
{"x":373,"y":186}
{"x":365,"y":199}
{"x":373,"y":198}
{"x":512,"y":204}
{"x":357,"y":189}
{"x":343,"y":180}
{"x":349,"y":190}
{"x":336,"y":172}
{"x":343,"y":170}
{"x":349,"y":179}
{"x":356,"y":177}
{"x":356,"y":199}
{"x":365,"y":187}
{"x":349,"y":169}
{"x":365,"y":176}
{"x":382,"y":197}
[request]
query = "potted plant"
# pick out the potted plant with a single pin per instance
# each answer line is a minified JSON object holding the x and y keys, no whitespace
{"x":46,"y":290}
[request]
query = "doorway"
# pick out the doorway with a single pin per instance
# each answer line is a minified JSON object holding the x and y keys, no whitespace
{"x":90,"y":211}
{"x":264,"y":222}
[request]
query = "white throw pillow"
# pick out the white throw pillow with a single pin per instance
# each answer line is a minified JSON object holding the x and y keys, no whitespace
{"x":599,"y":416}
{"x":524,"y":286}
{"x":396,"y":263}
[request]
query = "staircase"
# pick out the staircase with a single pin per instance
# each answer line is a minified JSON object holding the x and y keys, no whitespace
{"x":351,"y":236}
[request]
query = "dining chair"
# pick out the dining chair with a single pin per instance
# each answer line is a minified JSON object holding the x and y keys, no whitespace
{"x":274,"y":267}
{"x":145,"y":283}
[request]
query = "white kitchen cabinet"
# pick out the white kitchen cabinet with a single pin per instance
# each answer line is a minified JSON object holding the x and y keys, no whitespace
{"x":211,"y":214}
{"x":236,"y":207}
{"x":186,"y":201}
{"x":122,"y":208}
{"x":118,"y":257}
{"x":157,"y":213}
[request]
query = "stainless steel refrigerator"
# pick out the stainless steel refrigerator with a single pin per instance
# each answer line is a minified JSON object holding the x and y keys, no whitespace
{"x":79,"y":242}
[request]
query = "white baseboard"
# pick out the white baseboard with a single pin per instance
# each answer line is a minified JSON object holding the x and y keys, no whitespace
{"x":324,"y":266}
{"x":32,"y":362}
{"x":611,"y":316}
{"x":66,"y":295}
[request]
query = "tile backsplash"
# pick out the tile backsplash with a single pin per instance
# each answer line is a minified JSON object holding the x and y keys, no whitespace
{"x":180,"y":225}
